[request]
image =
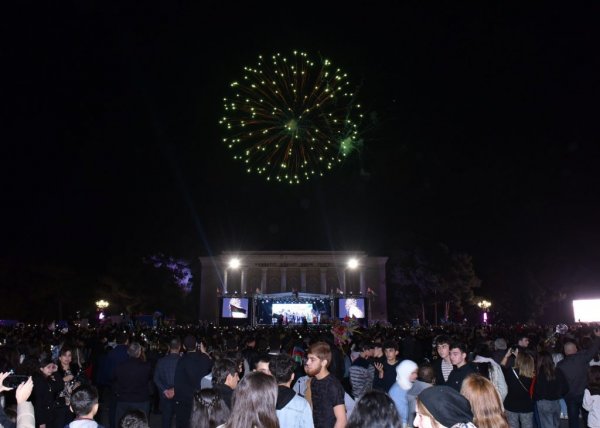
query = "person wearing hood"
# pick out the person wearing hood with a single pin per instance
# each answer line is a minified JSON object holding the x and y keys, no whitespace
{"x":425,"y":379}
{"x":406,"y":375}
{"x":292,"y":410}
{"x":442,"y":407}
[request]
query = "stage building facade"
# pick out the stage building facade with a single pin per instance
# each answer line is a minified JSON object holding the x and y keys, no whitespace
{"x":338,"y":274}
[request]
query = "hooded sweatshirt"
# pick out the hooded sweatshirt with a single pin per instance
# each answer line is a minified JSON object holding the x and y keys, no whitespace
{"x":399,"y":391}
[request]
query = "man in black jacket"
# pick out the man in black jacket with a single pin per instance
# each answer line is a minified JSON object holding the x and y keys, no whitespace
{"x":575,"y":368}
{"x":458,"y":358}
{"x":190,"y":370}
{"x":225,"y":377}
{"x":131,"y":382}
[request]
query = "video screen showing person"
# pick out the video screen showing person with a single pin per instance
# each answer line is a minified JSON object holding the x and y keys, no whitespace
{"x":352,"y":308}
{"x":313,"y":311}
{"x":235,"y":307}
{"x":294,"y":313}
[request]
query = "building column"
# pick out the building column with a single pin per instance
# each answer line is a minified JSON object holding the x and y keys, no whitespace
{"x":263,"y":281}
{"x":363,"y":285}
{"x":283,"y":279}
{"x":323,"y":280}
{"x":303,"y":280}
{"x":344,"y":281}
{"x":225,"y":282}
{"x":243,"y":281}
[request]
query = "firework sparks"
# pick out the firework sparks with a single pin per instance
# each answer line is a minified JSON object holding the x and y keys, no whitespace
{"x":290,"y":118}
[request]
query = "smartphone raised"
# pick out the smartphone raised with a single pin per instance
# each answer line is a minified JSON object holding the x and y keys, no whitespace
{"x":12,"y":381}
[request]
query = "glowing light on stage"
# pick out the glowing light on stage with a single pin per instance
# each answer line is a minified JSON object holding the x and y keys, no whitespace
{"x":234,"y":263}
{"x":352,"y":263}
{"x":586,"y":310}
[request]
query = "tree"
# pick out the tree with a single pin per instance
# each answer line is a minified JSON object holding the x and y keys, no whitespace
{"x":431,"y":275}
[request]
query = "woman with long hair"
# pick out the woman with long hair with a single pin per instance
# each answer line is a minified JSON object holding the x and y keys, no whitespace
{"x":518,"y":402}
{"x":591,"y":397}
{"x":550,"y":386}
{"x":68,"y":372}
{"x":209,"y":409}
{"x":254,"y":401}
{"x":375,"y":409}
{"x":485,"y":400}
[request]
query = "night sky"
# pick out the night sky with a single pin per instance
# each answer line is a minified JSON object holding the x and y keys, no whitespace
{"x":482,"y":134}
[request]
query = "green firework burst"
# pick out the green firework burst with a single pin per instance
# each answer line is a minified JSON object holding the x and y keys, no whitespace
{"x":290,"y":118}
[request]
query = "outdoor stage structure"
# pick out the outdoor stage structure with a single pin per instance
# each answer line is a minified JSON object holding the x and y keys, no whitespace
{"x":292,"y":287}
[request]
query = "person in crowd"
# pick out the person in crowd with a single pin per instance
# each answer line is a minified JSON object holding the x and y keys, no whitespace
{"x":522,"y":346}
{"x":486,"y":403}
{"x":550,"y":386}
{"x":131,"y":382}
{"x":209,"y":409}
{"x":375,"y":409}
{"x":254,"y":403}
{"x":377,"y":355}
{"x":225,"y":378}
{"x":461,"y":368}
{"x":442,"y":365}
{"x":406,"y":375}
{"x":115,"y":357}
{"x":518,"y":402}
{"x":425,"y":379}
{"x":69,"y":372}
{"x":443,"y":407}
{"x":25,"y":417}
{"x":489,"y":368}
{"x":134,"y":418}
{"x":164,"y":379}
{"x":591,"y":397}
{"x":84,"y":404}
{"x":575,"y":368}
{"x":324,"y":390}
{"x":499,"y":349}
{"x":385,"y":376}
{"x":261,"y":363}
{"x":293,"y":411}
{"x":190,"y":370}
{"x":46,"y":388}
{"x":361,"y":371}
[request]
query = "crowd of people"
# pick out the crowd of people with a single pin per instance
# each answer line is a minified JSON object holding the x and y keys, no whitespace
{"x":379,"y":376}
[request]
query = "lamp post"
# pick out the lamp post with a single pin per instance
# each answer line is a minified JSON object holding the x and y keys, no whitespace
{"x":484,"y":305}
{"x":100,"y":306}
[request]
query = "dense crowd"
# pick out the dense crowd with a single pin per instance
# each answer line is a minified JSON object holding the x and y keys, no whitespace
{"x":322,"y":376}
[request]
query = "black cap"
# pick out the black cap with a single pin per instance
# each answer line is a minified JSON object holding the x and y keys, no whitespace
{"x":446,"y":405}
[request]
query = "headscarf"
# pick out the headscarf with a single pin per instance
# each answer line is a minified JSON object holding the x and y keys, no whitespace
{"x":403,"y":372}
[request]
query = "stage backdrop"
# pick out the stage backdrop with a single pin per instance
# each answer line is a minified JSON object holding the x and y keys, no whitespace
{"x":266,"y":272}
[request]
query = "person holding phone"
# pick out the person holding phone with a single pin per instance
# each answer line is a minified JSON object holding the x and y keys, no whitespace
{"x":25,"y":412}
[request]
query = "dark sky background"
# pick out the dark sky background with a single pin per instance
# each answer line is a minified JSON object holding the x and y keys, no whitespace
{"x":486,"y":140}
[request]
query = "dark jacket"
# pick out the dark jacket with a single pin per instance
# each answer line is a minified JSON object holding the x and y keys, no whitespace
{"x":191,"y":368}
{"x":44,"y":397}
{"x":225,"y":392}
{"x":457,"y":375}
{"x":554,"y":389}
{"x":164,"y":373}
{"x":575,"y":368}
{"x":517,"y":400}
{"x":131,"y":381}
{"x":437,"y":369}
